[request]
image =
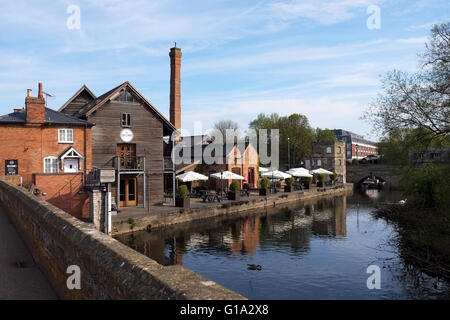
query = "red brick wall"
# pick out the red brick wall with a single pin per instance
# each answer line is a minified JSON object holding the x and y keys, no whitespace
{"x":62,"y":190}
{"x":30,"y":144}
{"x":363,"y":151}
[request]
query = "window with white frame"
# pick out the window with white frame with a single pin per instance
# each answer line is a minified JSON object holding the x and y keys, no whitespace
{"x":328,"y":149}
{"x":65,"y":135}
{"x":51,"y":165}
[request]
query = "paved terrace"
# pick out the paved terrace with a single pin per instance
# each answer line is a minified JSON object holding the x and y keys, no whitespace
{"x":19,"y":283}
{"x":167,"y":214}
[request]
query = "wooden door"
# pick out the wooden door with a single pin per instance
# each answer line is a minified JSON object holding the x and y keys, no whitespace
{"x":127,"y":154}
{"x":251,"y":177}
{"x":128,"y":192}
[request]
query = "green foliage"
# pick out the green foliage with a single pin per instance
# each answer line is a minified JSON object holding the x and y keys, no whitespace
{"x":333,"y":176}
{"x":427,"y":184}
{"x":235,"y":186}
{"x":132,"y":223}
{"x":289,"y":181}
{"x":295,"y":127}
{"x":265,"y":183}
{"x":355,"y":161}
{"x":321,"y":177}
{"x":324,"y":135}
{"x":308,"y":180}
{"x":278,"y":184}
{"x":183,"y":191}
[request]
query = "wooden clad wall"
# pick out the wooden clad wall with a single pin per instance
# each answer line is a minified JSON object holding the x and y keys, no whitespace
{"x":82,"y":99}
{"x":148,"y":137}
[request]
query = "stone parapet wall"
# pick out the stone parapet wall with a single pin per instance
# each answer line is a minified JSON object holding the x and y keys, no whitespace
{"x":109,"y":269}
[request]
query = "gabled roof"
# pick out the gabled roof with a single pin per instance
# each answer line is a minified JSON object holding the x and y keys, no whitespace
{"x":51,"y":117}
{"x":70,"y":152}
{"x":84,"y":88}
{"x":101,"y":100}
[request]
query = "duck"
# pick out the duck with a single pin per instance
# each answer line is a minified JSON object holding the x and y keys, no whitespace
{"x":254,"y":267}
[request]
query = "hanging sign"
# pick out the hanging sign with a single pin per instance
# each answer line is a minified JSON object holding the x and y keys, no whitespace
{"x":11,"y":167}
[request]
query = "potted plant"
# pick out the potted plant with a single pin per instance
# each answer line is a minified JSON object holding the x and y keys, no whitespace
{"x":235,"y":191}
{"x":307,"y":181}
{"x":333,"y":178}
{"x":264,"y":186}
{"x":289,"y":182}
{"x":321,"y":178}
{"x":182,"y":199}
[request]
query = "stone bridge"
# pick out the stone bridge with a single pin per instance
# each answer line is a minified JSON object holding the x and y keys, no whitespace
{"x":357,"y":173}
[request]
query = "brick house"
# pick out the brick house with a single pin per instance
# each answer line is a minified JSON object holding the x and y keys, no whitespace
{"x":242,"y":163}
{"x":49,"y":151}
{"x":329,"y":156}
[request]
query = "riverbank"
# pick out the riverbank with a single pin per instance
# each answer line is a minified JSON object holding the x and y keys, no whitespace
{"x":424,"y":237}
{"x":158,"y":217}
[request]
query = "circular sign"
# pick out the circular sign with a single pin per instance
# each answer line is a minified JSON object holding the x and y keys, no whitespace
{"x":126,"y":135}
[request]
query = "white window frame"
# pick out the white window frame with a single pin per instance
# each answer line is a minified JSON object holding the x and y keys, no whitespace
{"x":65,"y":130}
{"x":57,"y":164}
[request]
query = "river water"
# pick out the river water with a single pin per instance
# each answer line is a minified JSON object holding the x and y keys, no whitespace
{"x":309,"y":250}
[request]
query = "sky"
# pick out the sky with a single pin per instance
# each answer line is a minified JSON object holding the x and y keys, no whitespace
{"x":323,"y":59}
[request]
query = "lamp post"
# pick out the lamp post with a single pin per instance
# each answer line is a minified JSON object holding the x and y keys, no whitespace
{"x":357,"y":151}
{"x":289,"y":153}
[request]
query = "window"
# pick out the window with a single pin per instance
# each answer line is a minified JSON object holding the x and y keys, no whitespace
{"x":328,"y":149}
{"x":65,"y":135}
{"x":319,"y":162}
{"x":126,"y":120}
{"x":127,"y":96}
{"x":50,"y":165}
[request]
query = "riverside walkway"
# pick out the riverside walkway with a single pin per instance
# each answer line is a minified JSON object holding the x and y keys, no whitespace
{"x":27,"y":283}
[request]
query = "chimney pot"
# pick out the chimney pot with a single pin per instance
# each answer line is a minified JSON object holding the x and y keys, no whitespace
{"x":40,"y":94}
{"x":29,"y":92}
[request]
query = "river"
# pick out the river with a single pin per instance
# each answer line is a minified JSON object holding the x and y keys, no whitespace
{"x":309,"y":250}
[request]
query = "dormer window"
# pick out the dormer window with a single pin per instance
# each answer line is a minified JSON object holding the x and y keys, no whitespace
{"x":65,"y":135}
{"x":126,"y":120}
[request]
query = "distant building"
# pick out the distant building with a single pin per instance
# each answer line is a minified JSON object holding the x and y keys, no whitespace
{"x":329,"y":156}
{"x":430,"y":155}
{"x":356,"y":147}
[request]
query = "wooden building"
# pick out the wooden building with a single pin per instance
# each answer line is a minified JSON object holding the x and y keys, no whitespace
{"x":132,"y":137}
{"x":128,"y":136}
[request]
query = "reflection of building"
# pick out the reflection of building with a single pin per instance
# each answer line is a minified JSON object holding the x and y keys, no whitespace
{"x":50,"y":150}
{"x":340,"y":216}
{"x":248,"y":242}
{"x":356,"y":147}
{"x":329,"y":156}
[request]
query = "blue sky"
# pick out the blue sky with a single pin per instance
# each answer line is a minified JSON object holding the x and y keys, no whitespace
{"x":240,"y":58}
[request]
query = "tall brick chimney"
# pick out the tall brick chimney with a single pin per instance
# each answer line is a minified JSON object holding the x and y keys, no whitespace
{"x":175,"y":87}
{"x":35,"y":107}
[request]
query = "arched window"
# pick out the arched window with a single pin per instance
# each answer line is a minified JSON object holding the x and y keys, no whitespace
{"x":328,"y":149}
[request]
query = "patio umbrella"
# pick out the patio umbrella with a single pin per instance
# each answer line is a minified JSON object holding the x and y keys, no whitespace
{"x":191,"y":176}
{"x":226,"y":175}
{"x":276,"y":174}
{"x":320,"y":170}
{"x":261,"y":169}
{"x":299,"y":172}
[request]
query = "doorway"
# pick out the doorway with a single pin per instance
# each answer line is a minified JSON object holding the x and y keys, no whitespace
{"x":128,"y":192}
{"x":70,"y":165}
{"x":127,"y":154}
{"x":251,"y":177}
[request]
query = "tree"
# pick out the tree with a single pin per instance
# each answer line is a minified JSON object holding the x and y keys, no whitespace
{"x":325,"y":135}
{"x":421,"y":99}
{"x":295,"y":127}
{"x":221,"y":127}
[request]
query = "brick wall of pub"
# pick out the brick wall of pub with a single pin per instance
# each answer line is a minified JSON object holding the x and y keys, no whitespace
{"x":30,"y":144}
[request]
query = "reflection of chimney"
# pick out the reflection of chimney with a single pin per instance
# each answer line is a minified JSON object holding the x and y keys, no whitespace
{"x":175,"y":87}
{"x":35,"y":106}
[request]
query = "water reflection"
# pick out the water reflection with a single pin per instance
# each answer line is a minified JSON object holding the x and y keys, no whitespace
{"x":294,"y":226}
{"x":309,"y":250}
